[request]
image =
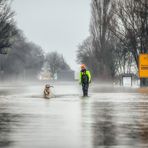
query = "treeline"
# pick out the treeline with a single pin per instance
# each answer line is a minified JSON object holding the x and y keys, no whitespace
{"x":23,"y":60}
{"x":118,"y":34}
{"x":55,"y":62}
{"x":20,"y":58}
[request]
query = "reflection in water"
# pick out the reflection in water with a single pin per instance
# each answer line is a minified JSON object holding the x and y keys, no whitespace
{"x":104,"y":130}
{"x":5,"y":129}
{"x":7,"y":123}
{"x":143,"y":90}
{"x":86,"y":122}
{"x":120,"y":124}
{"x":103,"y":120}
{"x":144,"y":123}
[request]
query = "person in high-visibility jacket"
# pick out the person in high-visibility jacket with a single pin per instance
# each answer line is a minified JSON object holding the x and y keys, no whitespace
{"x":85,"y":79}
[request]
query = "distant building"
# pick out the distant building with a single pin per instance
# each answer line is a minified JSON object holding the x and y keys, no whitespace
{"x":66,"y":75}
{"x":45,"y":75}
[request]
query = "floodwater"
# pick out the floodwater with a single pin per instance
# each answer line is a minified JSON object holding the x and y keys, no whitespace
{"x":111,"y":117}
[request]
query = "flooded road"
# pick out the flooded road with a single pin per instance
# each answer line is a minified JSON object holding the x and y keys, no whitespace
{"x":111,"y":117}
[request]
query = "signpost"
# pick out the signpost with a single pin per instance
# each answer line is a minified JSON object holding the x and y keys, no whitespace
{"x":143,"y":65}
{"x":127,"y":81}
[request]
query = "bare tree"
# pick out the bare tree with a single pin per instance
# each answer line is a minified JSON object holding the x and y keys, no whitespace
{"x":56,"y":62}
{"x":24,"y":60}
{"x":7,"y":26}
{"x":99,"y":28}
{"x":97,"y":50}
{"x":131,"y":19}
{"x":118,"y":34}
{"x":85,"y":54}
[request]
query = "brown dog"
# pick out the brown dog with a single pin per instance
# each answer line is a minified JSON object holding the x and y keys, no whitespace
{"x":47,"y":91}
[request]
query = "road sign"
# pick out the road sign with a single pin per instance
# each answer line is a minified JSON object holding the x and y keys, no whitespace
{"x":143,"y":65}
{"x":127,"y":81}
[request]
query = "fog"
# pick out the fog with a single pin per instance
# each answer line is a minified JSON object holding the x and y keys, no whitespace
{"x":54,"y":25}
{"x":68,"y":79}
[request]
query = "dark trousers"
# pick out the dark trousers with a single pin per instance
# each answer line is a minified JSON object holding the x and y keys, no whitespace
{"x":85,"y":87}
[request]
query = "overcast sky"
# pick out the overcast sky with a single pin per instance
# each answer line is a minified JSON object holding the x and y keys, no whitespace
{"x":55,"y":25}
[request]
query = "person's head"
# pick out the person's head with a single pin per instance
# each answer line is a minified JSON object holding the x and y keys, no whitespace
{"x":83,"y":67}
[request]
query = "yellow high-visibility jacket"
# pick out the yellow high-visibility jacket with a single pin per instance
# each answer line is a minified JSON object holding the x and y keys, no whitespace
{"x":88,"y":74}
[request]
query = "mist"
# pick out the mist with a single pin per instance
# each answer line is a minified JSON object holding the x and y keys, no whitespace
{"x":73,"y":73}
{"x":55,"y":25}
